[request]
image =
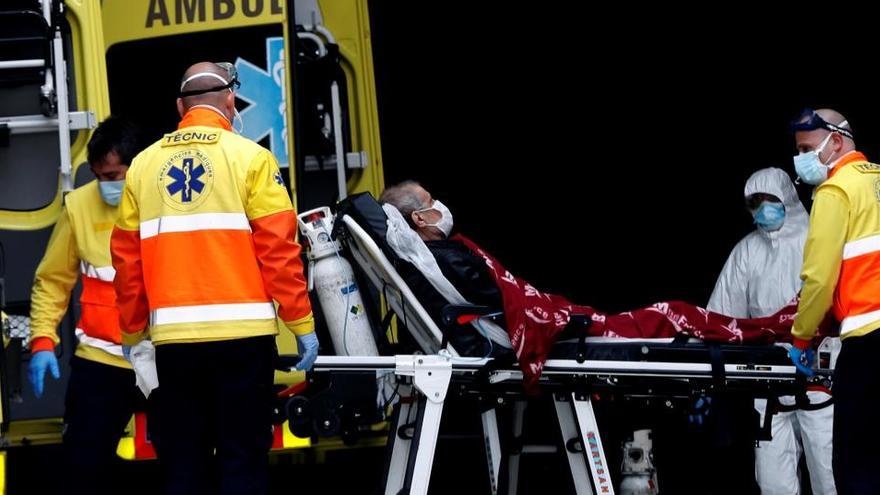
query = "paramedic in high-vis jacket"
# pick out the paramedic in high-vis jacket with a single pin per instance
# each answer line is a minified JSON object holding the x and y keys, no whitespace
{"x":203,"y":249}
{"x":760,"y":277}
{"x":841,"y":273}
{"x":101,"y":392}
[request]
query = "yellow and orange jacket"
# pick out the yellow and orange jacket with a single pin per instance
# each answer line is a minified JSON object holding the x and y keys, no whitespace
{"x":205,"y":240}
{"x":841,"y":268}
{"x":79,"y":247}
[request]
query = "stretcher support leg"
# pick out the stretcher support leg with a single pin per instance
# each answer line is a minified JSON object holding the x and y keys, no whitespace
{"x":421,"y":459}
{"x":492,"y":445}
{"x":399,"y":442}
{"x":583,"y":445}
{"x":431,"y":377}
{"x":519,"y":410}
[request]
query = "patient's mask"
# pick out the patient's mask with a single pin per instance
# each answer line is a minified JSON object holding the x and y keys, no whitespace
{"x":445,"y":222}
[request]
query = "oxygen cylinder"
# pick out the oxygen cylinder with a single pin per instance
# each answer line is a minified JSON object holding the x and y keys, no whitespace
{"x":638,"y":475}
{"x":332,"y":277}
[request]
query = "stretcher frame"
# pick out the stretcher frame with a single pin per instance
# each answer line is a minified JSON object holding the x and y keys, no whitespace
{"x":426,"y":379}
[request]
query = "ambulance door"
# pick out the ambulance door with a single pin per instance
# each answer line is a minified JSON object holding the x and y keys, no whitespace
{"x":335,"y":120}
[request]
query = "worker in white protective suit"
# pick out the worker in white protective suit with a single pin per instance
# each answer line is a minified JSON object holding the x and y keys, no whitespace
{"x":761,"y":276}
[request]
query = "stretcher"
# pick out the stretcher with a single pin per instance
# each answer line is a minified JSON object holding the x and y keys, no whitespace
{"x":577,"y":369}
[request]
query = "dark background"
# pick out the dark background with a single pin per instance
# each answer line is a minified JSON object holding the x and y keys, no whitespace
{"x":602,"y":155}
{"x":599,"y":154}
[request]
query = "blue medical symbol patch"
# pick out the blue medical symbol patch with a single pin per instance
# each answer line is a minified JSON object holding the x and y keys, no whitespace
{"x":279,"y":178}
{"x":186,"y":179}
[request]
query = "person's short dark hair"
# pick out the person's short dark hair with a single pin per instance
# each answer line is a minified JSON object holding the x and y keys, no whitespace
{"x":114,"y":134}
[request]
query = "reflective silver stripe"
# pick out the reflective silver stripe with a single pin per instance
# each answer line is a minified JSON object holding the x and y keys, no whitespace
{"x":191,"y":223}
{"x":861,"y":246}
{"x":103,"y":273}
{"x":102,"y":344}
{"x":213,"y":312}
{"x":851,"y":323}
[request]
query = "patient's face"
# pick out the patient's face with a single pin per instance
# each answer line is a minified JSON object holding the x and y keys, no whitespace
{"x":429,"y":216}
{"x":425,"y":219}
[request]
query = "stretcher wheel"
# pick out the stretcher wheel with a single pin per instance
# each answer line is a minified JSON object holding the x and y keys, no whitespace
{"x":327,"y":423}
{"x":299,"y":416}
{"x":48,"y":106}
{"x":407,"y":431}
{"x":279,"y":413}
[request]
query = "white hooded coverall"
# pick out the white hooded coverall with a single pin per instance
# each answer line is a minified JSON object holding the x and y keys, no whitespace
{"x":761,"y":276}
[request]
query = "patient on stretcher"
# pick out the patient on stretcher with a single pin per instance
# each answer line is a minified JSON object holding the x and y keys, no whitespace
{"x":535,"y":319}
{"x":465,"y":271}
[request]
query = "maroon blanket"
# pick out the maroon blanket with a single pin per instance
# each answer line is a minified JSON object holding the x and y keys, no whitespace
{"x":535,"y":319}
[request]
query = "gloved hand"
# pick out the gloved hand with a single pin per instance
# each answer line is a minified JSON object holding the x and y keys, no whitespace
{"x":701,"y":410}
{"x":802,"y":359}
{"x":126,"y":352}
{"x":307,"y":345}
{"x":40,"y":362}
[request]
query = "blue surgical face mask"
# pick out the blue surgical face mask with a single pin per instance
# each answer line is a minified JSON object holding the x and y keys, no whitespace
{"x":808,"y":166}
{"x":111,"y":191}
{"x":769,"y":216}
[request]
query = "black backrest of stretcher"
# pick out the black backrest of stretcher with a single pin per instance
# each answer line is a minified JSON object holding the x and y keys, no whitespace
{"x":368,"y":213}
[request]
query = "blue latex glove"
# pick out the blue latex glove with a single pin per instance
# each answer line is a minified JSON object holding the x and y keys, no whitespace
{"x":701,"y":410}
{"x":307,"y":345}
{"x":40,"y":362}
{"x":126,"y":352}
{"x":802,"y":359}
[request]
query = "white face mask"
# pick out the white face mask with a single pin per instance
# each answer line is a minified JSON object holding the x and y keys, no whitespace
{"x":445,"y":222}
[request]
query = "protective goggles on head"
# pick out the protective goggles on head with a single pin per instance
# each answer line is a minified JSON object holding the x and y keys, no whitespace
{"x":231,"y":83}
{"x":809,"y":120}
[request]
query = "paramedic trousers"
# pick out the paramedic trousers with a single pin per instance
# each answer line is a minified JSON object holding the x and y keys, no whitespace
{"x":98,"y":405}
{"x":215,"y":403}
{"x":856,"y":457}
